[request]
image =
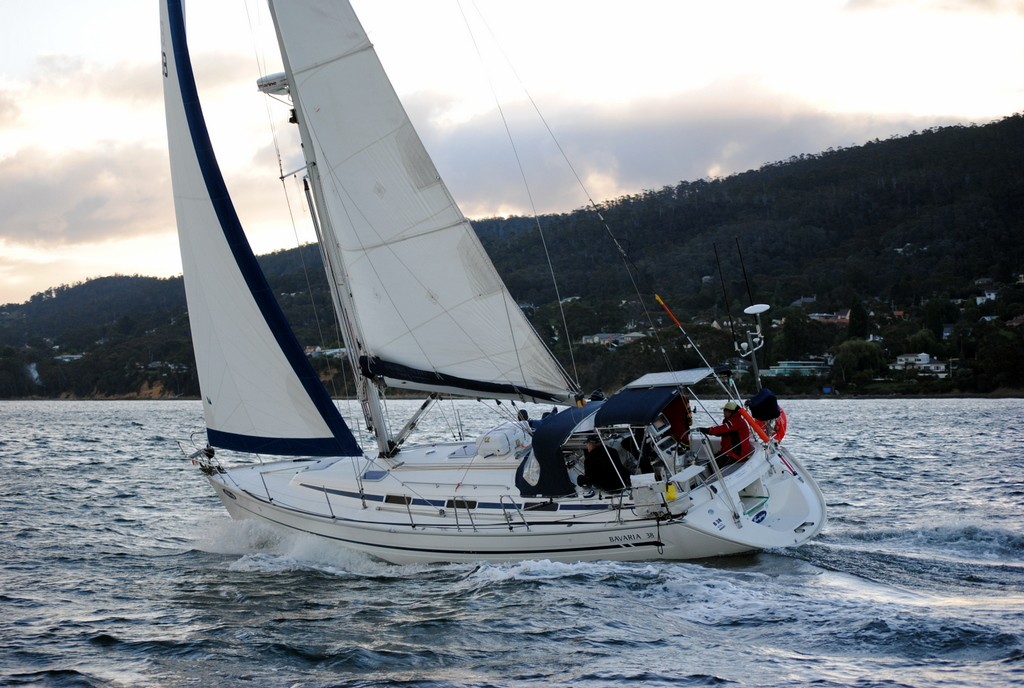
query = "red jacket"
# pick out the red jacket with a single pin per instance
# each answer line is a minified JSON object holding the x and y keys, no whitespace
{"x":735,"y":434}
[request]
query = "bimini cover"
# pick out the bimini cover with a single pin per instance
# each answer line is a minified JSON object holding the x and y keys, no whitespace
{"x":635,"y":406}
{"x":548,"y":438}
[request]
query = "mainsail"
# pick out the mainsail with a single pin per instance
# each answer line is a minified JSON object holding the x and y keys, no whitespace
{"x":260,"y":392}
{"x":429,"y":309}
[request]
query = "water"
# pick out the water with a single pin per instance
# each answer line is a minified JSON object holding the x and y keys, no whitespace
{"x":118,"y":567}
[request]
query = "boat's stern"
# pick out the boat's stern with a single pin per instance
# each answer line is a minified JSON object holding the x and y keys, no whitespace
{"x":767,"y":502}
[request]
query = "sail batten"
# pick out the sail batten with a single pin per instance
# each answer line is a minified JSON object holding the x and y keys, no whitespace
{"x":260,"y":392}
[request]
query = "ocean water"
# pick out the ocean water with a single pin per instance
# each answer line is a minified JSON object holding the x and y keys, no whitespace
{"x":118,"y":567}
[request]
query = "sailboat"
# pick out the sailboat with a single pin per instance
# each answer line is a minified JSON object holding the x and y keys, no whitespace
{"x":422,"y":308}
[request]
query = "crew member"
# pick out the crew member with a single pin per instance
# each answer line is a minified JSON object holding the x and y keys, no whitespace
{"x":735,"y":434}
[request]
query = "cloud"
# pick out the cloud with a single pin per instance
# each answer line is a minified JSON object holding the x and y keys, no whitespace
{"x":966,"y":6}
{"x":9,"y":111}
{"x":82,"y":156}
{"x":133,"y":82}
{"x":728,"y":127}
{"x":48,"y":198}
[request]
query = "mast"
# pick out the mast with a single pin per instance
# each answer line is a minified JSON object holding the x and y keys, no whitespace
{"x":341,"y":294}
{"x":341,"y":297}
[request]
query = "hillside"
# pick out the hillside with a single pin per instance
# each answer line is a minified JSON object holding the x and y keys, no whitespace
{"x":902,"y":219}
{"x":906,"y":233}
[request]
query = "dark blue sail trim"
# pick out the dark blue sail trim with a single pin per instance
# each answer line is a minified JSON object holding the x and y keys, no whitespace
{"x":279,"y":446}
{"x":344,"y":443}
{"x":375,"y":367}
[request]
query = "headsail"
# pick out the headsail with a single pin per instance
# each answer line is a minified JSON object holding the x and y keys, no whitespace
{"x":430,"y":309}
{"x":260,"y":393}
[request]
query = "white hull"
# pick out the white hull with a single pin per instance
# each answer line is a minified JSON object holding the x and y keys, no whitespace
{"x":451,"y":519}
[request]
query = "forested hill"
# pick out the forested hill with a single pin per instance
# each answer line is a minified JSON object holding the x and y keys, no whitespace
{"x":912,"y":224}
{"x":903,"y":219}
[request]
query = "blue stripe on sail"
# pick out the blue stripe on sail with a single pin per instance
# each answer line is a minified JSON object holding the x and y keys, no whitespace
{"x":376,"y":366}
{"x":342,"y":443}
{"x":280,"y":446}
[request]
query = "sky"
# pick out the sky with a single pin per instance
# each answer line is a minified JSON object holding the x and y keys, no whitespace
{"x":637,"y":95}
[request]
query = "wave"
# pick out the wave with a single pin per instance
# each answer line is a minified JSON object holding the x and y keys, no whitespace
{"x":263,"y":548}
{"x":972,"y":541}
{"x":54,"y":677}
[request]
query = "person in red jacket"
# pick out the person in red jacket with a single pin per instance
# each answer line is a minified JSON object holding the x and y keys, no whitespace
{"x":735,"y":434}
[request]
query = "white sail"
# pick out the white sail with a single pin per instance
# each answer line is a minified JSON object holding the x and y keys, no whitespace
{"x":429,"y":308}
{"x":260,"y":393}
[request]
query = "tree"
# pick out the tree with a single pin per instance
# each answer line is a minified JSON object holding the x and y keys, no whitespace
{"x":859,"y":324}
{"x":923,"y":341}
{"x":802,"y":337}
{"x":858,"y":361}
{"x":938,"y":312}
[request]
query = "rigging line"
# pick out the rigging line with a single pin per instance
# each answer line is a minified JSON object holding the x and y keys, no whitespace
{"x":692,"y":344}
{"x":444,"y":417}
{"x":261,"y":69}
{"x":261,"y":66}
{"x":526,"y":184}
{"x":750,"y":295}
{"x":529,"y":194}
{"x":625,"y":257}
{"x":309,"y":291}
{"x":725,"y":295}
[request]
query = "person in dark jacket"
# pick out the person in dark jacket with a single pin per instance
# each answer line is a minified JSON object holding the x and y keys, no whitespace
{"x":602,"y":468}
{"x":735,"y":434}
{"x":640,"y":452}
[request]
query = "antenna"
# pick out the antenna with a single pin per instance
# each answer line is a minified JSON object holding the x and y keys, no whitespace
{"x":755,"y":339}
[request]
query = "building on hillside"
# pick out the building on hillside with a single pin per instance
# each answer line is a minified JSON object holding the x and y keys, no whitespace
{"x":989,"y":295}
{"x":922,"y":364}
{"x":612,"y":339}
{"x":603,"y":338}
{"x":841,"y":318}
{"x":318,"y":352}
{"x":815,"y":368}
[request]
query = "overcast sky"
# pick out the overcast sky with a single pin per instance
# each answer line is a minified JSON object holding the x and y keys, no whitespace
{"x":639,"y":95}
